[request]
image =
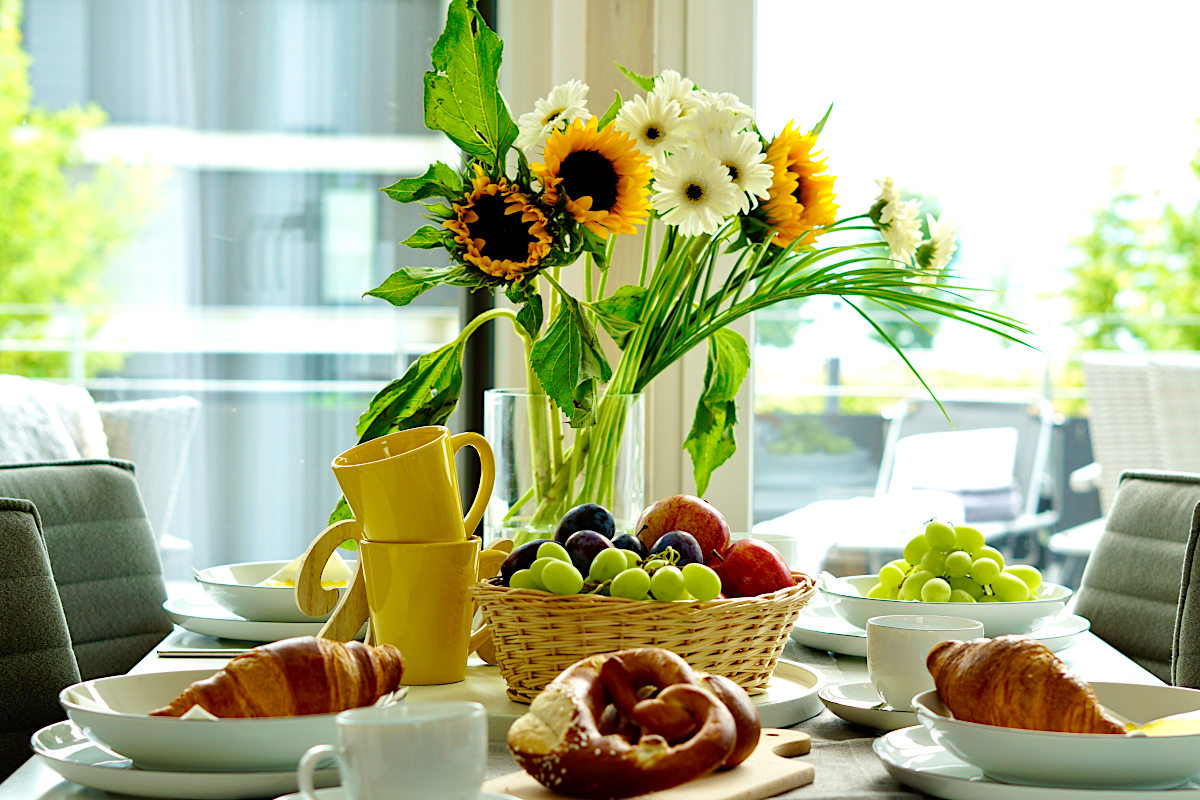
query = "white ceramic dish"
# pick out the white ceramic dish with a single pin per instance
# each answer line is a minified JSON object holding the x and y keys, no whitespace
{"x":115,"y":712}
{"x":818,"y":626}
{"x":212,"y":620}
{"x":912,"y":758}
{"x":847,"y":597}
{"x":64,"y":748}
{"x":1087,"y":760}
{"x":233,"y":587}
{"x":338,"y":793}
{"x":859,"y":703}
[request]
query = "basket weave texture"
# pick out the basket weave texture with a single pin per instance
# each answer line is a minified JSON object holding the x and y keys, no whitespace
{"x":537,"y":635}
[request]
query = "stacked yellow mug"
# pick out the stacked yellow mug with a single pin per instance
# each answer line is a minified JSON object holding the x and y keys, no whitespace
{"x":418,"y":560}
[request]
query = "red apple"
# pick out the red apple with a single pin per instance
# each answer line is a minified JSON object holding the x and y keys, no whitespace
{"x":685,"y":512}
{"x":751,"y":567}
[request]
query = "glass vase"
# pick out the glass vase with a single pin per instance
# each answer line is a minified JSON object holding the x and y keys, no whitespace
{"x":544,"y":467}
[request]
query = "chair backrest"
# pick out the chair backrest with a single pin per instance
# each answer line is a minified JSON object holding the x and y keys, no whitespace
{"x":36,"y":660}
{"x":1131,"y":586}
{"x":993,"y":452}
{"x":103,"y":556}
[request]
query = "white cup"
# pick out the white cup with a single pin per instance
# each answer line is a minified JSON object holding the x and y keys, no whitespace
{"x":430,"y":751}
{"x":897,"y":647}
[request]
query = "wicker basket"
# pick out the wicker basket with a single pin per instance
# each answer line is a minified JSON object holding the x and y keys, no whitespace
{"x":537,"y":635}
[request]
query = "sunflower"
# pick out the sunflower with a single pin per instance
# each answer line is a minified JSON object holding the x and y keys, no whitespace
{"x":501,"y":232}
{"x":800,"y":199}
{"x":600,"y":174}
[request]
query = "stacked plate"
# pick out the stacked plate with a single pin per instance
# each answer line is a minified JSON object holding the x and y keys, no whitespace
{"x":234,"y":606}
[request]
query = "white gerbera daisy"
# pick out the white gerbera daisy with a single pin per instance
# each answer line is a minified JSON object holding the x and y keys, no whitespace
{"x":934,"y":253}
{"x":653,"y":121}
{"x":693,"y":191}
{"x":902,"y":231}
{"x":889,"y":192}
{"x":673,"y":86}
{"x":742,"y":156}
{"x":566,"y":103}
{"x":726,"y":101}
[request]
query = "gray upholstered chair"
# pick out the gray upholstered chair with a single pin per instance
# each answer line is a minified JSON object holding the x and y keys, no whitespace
{"x":1185,"y":648}
{"x":103,"y":556}
{"x":35,"y":648}
{"x":1131,"y":587}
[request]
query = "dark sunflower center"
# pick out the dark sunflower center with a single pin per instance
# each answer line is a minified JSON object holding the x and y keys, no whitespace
{"x":586,"y":173}
{"x":653,"y":134}
{"x":505,"y":236}
{"x":694,"y":192}
{"x":798,"y":192}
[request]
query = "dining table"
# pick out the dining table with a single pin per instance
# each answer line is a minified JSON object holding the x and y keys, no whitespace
{"x":845,"y":766}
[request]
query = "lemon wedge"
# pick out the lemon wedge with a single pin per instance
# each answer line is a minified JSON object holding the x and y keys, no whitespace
{"x":1174,"y":725}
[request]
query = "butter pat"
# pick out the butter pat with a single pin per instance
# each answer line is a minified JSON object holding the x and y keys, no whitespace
{"x":335,"y":575}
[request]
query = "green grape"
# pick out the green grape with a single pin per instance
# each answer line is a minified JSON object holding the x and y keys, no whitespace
{"x":964,"y":584}
{"x":523,"y":579}
{"x":988,"y":598}
{"x":891,"y":576}
{"x":902,"y":564}
{"x":632,"y":584}
{"x":983,"y":570}
{"x":561,"y":577}
{"x":667,"y":583}
{"x":959,"y":596}
{"x":608,"y":564}
{"x":1029,"y":574}
{"x":911,"y":588}
{"x":958,"y":564}
{"x":992,"y":553}
{"x":878,"y":592}
{"x":1009,"y":588}
{"x":936,"y":590}
{"x":633,"y":558}
{"x":934,"y":561}
{"x":916,"y":547}
{"x":939,"y":535}
{"x":653,"y":564}
{"x":967,"y":538}
{"x":701,"y":582}
{"x":554,"y":550}
{"x":537,"y":566}
{"x":885,"y":593}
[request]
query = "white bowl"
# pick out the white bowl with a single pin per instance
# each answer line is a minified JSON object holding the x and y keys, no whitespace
{"x":847,"y":597}
{"x":232,"y":586}
{"x":1080,"y":760}
{"x":115,"y":712}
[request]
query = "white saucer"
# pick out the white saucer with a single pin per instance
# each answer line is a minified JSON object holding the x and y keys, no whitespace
{"x":211,"y":620}
{"x":338,"y":793}
{"x":818,"y":626}
{"x":75,"y":757}
{"x":858,"y":703}
{"x":913,"y":759}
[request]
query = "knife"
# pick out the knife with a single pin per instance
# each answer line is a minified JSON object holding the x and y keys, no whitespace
{"x":199,"y":652}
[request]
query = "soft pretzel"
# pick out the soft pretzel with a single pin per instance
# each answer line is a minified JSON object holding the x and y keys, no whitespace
{"x":632,"y":722}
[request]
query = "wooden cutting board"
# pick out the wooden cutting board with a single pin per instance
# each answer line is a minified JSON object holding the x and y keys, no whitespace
{"x":768,"y":771}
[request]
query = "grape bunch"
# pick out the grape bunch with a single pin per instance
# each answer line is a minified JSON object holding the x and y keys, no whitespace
{"x":591,"y":562}
{"x":951,"y":564}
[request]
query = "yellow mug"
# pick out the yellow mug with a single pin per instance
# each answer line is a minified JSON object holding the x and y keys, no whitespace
{"x":403,"y":487}
{"x":418,"y":598}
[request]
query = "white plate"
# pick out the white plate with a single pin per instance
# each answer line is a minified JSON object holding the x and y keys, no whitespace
{"x":212,"y":620}
{"x":235,"y":587}
{"x":818,"y":626}
{"x":913,"y":759}
{"x":858,"y":703}
{"x":338,"y":793}
{"x":64,"y":748}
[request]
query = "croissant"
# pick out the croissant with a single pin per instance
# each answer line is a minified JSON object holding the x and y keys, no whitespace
{"x":1015,"y":682}
{"x":293,"y":677}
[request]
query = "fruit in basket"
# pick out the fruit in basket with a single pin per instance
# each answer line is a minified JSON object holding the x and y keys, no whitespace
{"x":750,"y":567}
{"x":520,"y":558}
{"x":627,"y":541}
{"x":701,"y":582}
{"x":561,"y":577}
{"x":685,"y":512}
{"x":586,"y":517}
{"x":631,"y":584}
{"x":667,"y":583}
{"x":583,"y":546}
{"x":607,"y":565}
{"x":683,"y":543}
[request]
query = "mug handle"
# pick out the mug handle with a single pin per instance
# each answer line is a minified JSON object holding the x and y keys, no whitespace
{"x":487,"y":475}
{"x":308,"y":763}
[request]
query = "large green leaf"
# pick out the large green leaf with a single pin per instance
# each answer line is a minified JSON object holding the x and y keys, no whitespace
{"x":425,"y":394}
{"x":619,"y":312}
{"x":440,"y":180}
{"x":530,"y":316}
{"x":710,"y":441}
{"x":570,"y":364}
{"x":643,"y":82}
{"x":406,"y":284}
{"x":461,"y":95}
{"x":428,"y":237}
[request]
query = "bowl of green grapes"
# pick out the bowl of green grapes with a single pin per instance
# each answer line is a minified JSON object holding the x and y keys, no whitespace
{"x":948,"y":569}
